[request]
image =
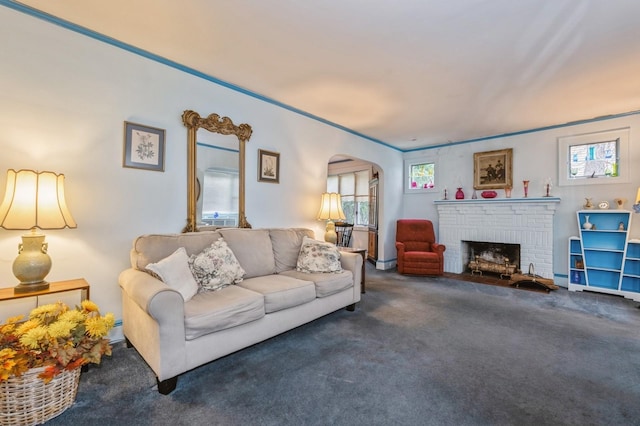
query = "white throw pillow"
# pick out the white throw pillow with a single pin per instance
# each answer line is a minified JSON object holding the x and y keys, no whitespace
{"x":318,"y":256}
{"x":216,"y":267}
{"x":174,"y":271}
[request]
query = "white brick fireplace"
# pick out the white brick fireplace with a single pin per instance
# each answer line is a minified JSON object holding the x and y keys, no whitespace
{"x":524,"y":221}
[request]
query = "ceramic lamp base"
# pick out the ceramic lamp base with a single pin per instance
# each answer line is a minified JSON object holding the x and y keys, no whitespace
{"x":32,"y":264}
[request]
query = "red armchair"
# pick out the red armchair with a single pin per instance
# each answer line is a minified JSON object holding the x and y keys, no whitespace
{"x":418,"y":252}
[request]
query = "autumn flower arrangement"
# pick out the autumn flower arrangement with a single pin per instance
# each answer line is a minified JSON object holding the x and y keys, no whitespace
{"x":54,"y":337}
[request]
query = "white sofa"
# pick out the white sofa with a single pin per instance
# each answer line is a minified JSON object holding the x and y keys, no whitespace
{"x":174,"y":336}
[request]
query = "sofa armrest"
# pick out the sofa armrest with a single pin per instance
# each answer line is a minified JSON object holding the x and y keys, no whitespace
{"x":353,"y":262}
{"x":153,"y":321}
{"x":152,"y":295}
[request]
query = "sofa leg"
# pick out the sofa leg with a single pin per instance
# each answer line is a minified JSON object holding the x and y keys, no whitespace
{"x":165,"y":387}
{"x":351,"y":307}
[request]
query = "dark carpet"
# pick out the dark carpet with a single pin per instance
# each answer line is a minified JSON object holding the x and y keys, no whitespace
{"x":417,"y":351}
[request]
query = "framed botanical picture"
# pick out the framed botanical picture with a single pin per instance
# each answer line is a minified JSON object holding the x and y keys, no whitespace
{"x":493,"y":169}
{"x":143,"y":147}
{"x":268,"y":166}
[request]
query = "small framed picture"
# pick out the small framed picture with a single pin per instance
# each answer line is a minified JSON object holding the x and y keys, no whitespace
{"x":268,"y":166}
{"x":143,"y":147}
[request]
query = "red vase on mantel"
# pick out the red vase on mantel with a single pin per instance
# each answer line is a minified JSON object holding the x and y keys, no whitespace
{"x":459,"y":194}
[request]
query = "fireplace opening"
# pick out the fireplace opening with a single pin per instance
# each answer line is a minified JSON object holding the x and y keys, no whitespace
{"x":501,"y":259}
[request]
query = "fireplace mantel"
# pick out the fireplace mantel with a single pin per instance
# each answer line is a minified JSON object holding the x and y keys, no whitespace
{"x":524,"y":221}
{"x":500,"y":200}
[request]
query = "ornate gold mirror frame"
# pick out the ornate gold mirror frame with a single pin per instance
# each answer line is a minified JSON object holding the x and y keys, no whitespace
{"x":224,"y":126}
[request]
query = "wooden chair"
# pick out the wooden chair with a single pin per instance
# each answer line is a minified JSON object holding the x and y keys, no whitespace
{"x":344,"y":231}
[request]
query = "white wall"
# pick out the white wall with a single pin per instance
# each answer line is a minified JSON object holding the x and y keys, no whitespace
{"x":535,"y":157}
{"x":63,"y":100}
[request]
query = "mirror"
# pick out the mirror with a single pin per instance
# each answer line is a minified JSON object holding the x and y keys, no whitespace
{"x":215,"y":175}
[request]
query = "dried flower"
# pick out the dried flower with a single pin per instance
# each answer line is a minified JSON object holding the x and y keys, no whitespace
{"x":55,"y":337}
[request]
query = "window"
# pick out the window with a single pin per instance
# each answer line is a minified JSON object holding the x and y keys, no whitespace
{"x":353,"y":188}
{"x":594,"y":158}
{"x":420,"y":176}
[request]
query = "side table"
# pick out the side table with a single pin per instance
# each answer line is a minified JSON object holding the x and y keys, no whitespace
{"x":363,"y":253}
{"x":33,"y":299}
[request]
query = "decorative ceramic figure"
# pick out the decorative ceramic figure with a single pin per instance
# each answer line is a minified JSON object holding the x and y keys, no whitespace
{"x":621,"y":226}
{"x":445,"y":194}
{"x":525,"y":183}
{"x":459,"y":194}
{"x":620,"y":202}
{"x":588,"y":204}
{"x":587,"y":225}
{"x":474,"y":196}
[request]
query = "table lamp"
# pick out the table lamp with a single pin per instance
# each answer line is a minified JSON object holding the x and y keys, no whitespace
{"x":330,"y":210}
{"x":34,"y":200}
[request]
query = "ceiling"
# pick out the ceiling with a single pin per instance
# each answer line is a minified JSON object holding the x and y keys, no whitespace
{"x":408,"y":73}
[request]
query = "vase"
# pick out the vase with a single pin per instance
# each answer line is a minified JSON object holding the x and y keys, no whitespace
{"x":575,"y":277}
{"x":588,"y":204}
{"x":27,"y":400}
{"x":525,"y":184}
{"x":507,"y":192}
{"x":587,"y":225}
{"x":459,"y":194}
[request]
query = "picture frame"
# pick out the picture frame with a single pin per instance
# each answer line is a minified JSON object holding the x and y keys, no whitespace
{"x":268,"y":166}
{"x":493,"y":169}
{"x":144,"y":147}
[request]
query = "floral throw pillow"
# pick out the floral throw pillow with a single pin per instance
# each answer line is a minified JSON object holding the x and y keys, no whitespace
{"x":318,"y":256}
{"x":216,"y":267}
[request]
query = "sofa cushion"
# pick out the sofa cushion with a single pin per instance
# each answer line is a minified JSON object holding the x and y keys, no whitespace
{"x":253,"y":250}
{"x":152,"y":248}
{"x":318,"y":256}
{"x":174,"y":271}
{"x":286,"y":246}
{"x":281,"y":292}
{"x":326,"y":284}
{"x":211,"y":311}
{"x":216,"y":267}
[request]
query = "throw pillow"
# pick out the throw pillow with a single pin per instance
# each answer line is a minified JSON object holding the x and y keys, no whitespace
{"x":174,"y":271}
{"x":216,"y":267}
{"x":318,"y":256}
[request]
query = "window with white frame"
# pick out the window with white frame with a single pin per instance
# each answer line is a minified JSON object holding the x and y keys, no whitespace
{"x":420,"y":175}
{"x":353,"y":188}
{"x":594,"y":158}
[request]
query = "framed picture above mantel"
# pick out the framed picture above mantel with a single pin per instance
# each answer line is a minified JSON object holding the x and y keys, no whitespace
{"x":493,"y":169}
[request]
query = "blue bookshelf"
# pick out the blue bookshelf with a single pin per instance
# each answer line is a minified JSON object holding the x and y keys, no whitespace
{"x":602,"y":258}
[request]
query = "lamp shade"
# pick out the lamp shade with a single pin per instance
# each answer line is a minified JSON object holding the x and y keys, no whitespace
{"x":35,"y":200}
{"x":331,"y":207}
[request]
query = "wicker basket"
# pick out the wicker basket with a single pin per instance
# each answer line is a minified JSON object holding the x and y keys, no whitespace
{"x":27,"y":400}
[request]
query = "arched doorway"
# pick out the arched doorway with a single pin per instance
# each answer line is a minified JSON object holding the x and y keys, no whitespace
{"x":357,"y":180}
